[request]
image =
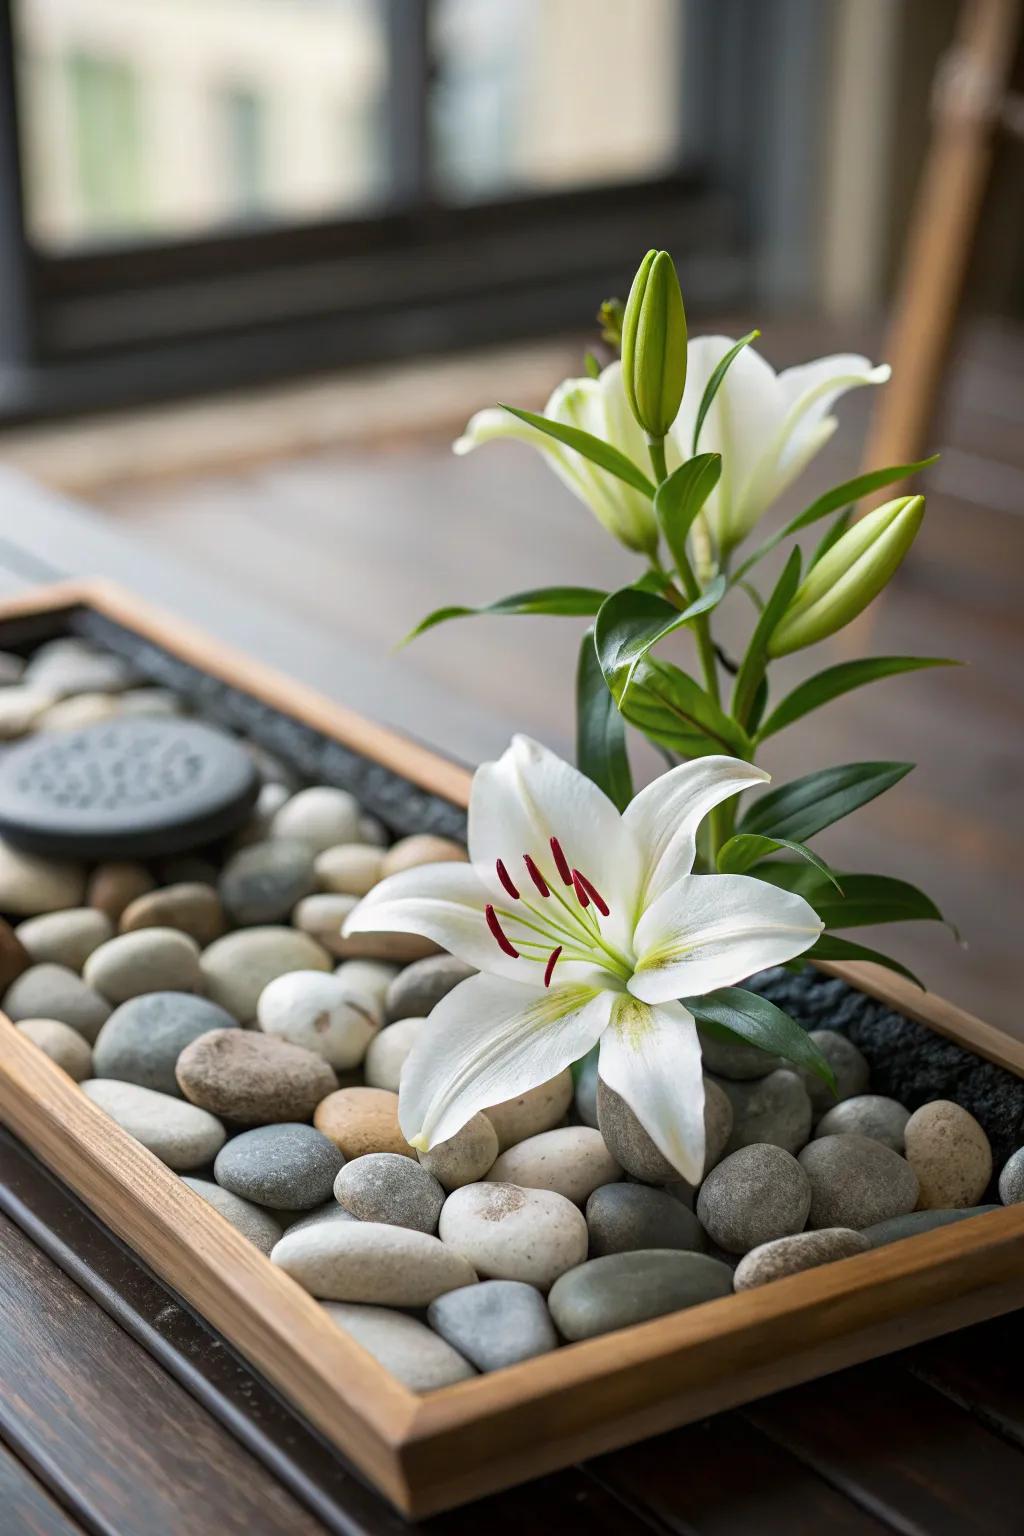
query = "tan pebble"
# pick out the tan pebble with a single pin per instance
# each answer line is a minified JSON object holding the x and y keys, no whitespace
{"x":112,"y":887}
{"x":350,"y":869}
{"x":951,"y":1155}
{"x":65,"y":938}
{"x":361,"y":1120}
{"x":237,"y":967}
{"x":62,"y":1044}
{"x":30,"y":884}
{"x":149,"y":960}
{"x":573,"y":1161}
{"x":324,"y":916}
{"x":80,"y":710}
{"x":539,"y":1109}
{"x":190,"y":906}
{"x":464,"y":1158}
{"x":421,"y":848}
{"x":251,"y":1078}
{"x":14,"y":957}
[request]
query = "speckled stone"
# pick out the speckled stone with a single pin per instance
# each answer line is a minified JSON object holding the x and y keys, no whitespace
{"x":624,"y":1217}
{"x":625,"y":1288}
{"x":851,"y":1070}
{"x":914,"y":1222}
{"x":319,"y":1012}
{"x":321,"y":817}
{"x":420,"y":987}
{"x":350,"y":869}
{"x":180,"y":1135}
{"x":464,"y":1158}
{"x":856,"y":1182}
{"x":495,"y":1323}
{"x":143,"y":1038}
{"x":773,"y":1109}
{"x":152,"y":960}
{"x":790,"y":1255}
{"x":757,"y":1194}
{"x":421,"y":848}
{"x":627,"y":1140}
{"x":62,"y":1044}
{"x":329,"y":1211}
{"x":55,"y":992}
{"x":253,"y":1079}
{"x":411,"y":1351}
{"x":254,"y":1223}
{"x":572,"y":1160}
{"x":371,"y":1262}
{"x":507,"y":1233}
{"x":387,"y":1052}
{"x":735,"y":1059}
{"x":1011,"y":1180}
{"x":236,"y":968}
{"x":868,"y":1114}
{"x":951,"y":1155}
{"x":540,"y":1109}
{"x":288,"y":1167}
{"x":65,"y":938}
{"x":30,"y":884}
{"x":382,"y":1186}
{"x":191,"y":906}
{"x":362,"y":1120}
{"x":262,"y":883}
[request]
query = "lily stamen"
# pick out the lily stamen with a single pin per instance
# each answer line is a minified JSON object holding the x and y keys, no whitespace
{"x":582,"y":895}
{"x":491,"y":918}
{"x":506,"y":880}
{"x":535,"y":875}
{"x":592,"y":891}
{"x":550,"y":967}
{"x":561,"y":862}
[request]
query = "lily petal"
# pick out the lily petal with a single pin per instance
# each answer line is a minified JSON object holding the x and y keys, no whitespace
{"x":490,"y":1040}
{"x":709,"y":931}
{"x":651,"y":1058}
{"x":664,"y":817}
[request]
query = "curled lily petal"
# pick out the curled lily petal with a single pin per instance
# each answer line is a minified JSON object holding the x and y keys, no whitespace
{"x":651,"y":1057}
{"x":443,"y":902}
{"x":490,"y":1040}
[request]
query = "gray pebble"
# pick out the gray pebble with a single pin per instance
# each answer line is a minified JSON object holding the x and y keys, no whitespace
{"x":55,"y":992}
{"x":494,"y":1323}
{"x":329,"y":1211}
{"x":851,"y":1070}
{"x":856,"y":1182}
{"x":759,"y":1193}
{"x":148,"y":960}
{"x":143,"y":1038}
{"x":180,"y":1135}
{"x":262,"y":883}
{"x":624,"y":1217}
{"x":627,"y":1140}
{"x":791,"y":1255}
{"x":585,"y":1078}
{"x":626,"y":1288}
{"x":420,"y":987}
{"x":773,"y":1109}
{"x":383,"y":1186}
{"x":735,"y":1059}
{"x":401,"y":1344}
{"x":255,"y":1224}
{"x":290,"y":1167}
{"x":1011,"y":1180}
{"x":867,"y":1114}
{"x":909,"y":1225}
{"x":65,"y":938}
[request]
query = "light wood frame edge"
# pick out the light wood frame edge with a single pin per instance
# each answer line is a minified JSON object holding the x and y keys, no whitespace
{"x":428,"y":1453}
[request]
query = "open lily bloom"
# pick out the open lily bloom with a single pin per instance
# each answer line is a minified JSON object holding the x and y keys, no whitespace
{"x":585,"y":925}
{"x":766,"y":425}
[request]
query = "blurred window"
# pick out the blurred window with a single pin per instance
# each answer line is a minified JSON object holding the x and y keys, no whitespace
{"x":103,"y":115}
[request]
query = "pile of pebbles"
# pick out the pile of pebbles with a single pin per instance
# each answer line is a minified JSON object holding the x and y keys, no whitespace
{"x":210,"y":1006}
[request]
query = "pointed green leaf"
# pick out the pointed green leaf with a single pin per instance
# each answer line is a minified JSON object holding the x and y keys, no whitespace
{"x":630,"y":622}
{"x":831,"y":947}
{"x":600,"y":729}
{"x":675,"y":712}
{"x":593,"y":448}
{"x":744,"y":849}
{"x":759,"y":1022}
{"x":571,"y":602}
{"x":680,"y":498}
{"x":802,"y":808}
{"x":714,"y":383}
{"x":864,"y":899}
{"x":835,"y":681}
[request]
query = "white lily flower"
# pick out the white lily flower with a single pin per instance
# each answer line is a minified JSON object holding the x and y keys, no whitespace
{"x":585,"y":925}
{"x":597,"y":406}
{"x":766,"y":425}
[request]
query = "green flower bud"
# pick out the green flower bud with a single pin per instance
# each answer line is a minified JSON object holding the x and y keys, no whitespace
{"x":654,"y":345}
{"x":849,"y":576}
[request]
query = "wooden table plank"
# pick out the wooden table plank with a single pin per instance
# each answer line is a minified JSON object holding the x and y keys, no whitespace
{"x":27,"y":1508}
{"x":981,"y":1370}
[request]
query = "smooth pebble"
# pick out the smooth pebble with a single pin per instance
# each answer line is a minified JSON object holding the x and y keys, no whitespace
{"x":775,"y":1109}
{"x":190,"y":906}
{"x":55,"y":992}
{"x":756,"y":1194}
{"x":382,"y":1186}
{"x":573,"y":1160}
{"x":791,"y":1255}
{"x":143,"y":1038}
{"x":539,"y":1109}
{"x":287,"y":1167}
{"x":849,"y":1067}
{"x":896,"y":1228}
{"x":262,"y":883}
{"x":350,"y":869}
{"x":624,"y":1217}
{"x":856,"y":1182}
{"x":626,"y":1288}
{"x":321,"y":817}
{"x":30,"y":885}
{"x":151,"y":960}
{"x":951,"y":1155}
{"x":325,"y":916}
{"x":361,"y":1120}
{"x":411,"y":1351}
{"x":370,"y":1261}
{"x":1011,"y":1180}
{"x":180,"y":1135}
{"x":735,"y":1059}
{"x":387,"y":1051}
{"x":416,"y":991}
{"x":113,"y":887}
{"x":253,"y":1222}
{"x":253,"y":1079}
{"x":867,"y":1114}
{"x":508,"y":1233}
{"x":421,"y":848}
{"x":236,"y":968}
{"x":495,"y":1323}
{"x":62,"y":1044}
{"x":65,"y":938}
{"x":464,"y":1158}
{"x":318,"y":1011}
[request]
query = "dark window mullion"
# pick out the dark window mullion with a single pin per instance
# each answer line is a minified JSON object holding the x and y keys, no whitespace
{"x":405,"y":108}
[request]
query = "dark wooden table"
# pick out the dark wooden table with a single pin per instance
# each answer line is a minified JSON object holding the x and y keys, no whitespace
{"x":121,"y":1414}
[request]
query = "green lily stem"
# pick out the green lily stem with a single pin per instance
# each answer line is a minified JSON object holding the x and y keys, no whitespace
{"x":656,"y":448}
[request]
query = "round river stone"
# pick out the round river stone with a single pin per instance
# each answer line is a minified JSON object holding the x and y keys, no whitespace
{"x":237,"y":967}
{"x":387,"y":1052}
{"x":320,"y":817}
{"x":757,"y":1194}
{"x":417,"y":990}
{"x":495,"y":1323}
{"x":253,"y":1222}
{"x":350,"y":869}
{"x":539,"y":1109}
{"x":402,"y":1344}
{"x":735,"y":1059}
{"x":191,"y":906}
{"x":464,"y":1158}
{"x":30,"y":885}
{"x":321,"y":1013}
{"x":849,"y":1066}
{"x":262,"y":883}
{"x":143,"y":1038}
{"x":624,"y":1217}
{"x":62,"y":1044}
{"x":362,"y":1120}
{"x":55,"y":992}
{"x":572,"y":1160}
{"x":790,"y":1255}
{"x":180,"y":1135}
{"x":152,"y":960}
{"x":626,"y":1288}
{"x":774,"y":1109}
{"x":951,"y":1155}
{"x":383,"y":1186}
{"x":253,"y":1079}
{"x":856,"y":1182}
{"x":371,"y":1262}
{"x":288,"y":1167}
{"x":508,"y":1233}
{"x":868,"y":1114}
{"x":65,"y":938}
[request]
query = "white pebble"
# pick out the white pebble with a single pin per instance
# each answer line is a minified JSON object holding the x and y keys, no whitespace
{"x":386,"y":1054}
{"x":317,"y":1010}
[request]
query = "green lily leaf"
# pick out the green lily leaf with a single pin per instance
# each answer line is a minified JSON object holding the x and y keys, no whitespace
{"x":572,"y":602}
{"x":680,"y":498}
{"x":745,"y":849}
{"x":600,"y":729}
{"x":864,"y":899}
{"x":593,"y":448}
{"x":755,"y":662}
{"x":714,"y":383}
{"x":732,"y":1012}
{"x":804,"y":807}
{"x":630,"y":622}
{"x":831,"y":947}
{"x":835,"y":681}
{"x":839,"y":496}
{"x":676,"y":712}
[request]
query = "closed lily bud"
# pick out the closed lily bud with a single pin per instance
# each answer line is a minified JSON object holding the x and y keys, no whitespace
{"x":849,"y":576}
{"x":654,"y":345}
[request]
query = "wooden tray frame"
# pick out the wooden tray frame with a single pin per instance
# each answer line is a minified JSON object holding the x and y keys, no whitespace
{"x":430,"y":1453}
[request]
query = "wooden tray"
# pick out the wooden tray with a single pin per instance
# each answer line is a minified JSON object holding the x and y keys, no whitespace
{"x":429,"y":1453}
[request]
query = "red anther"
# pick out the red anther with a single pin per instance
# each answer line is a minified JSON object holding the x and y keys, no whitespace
{"x":506,"y":880}
{"x":593,"y":892}
{"x":581,"y":891}
{"x":496,"y":931}
{"x":549,"y":968}
{"x":535,"y":875}
{"x":561,"y":862}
